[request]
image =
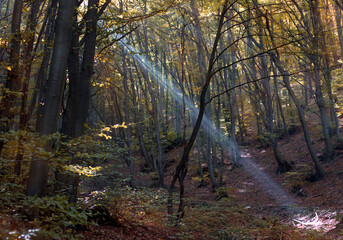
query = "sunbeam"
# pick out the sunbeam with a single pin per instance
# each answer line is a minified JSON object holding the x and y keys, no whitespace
{"x":274,"y":190}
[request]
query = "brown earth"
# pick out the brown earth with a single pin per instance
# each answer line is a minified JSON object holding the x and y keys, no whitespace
{"x":317,"y":204}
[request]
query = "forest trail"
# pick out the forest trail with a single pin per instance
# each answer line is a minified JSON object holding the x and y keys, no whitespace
{"x":311,"y":206}
{"x":291,"y":198}
{"x":259,"y":178}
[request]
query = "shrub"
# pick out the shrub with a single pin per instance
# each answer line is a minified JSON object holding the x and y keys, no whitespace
{"x":56,"y":217}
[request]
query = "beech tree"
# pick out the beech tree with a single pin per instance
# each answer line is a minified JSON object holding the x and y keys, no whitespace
{"x":13,"y":82}
{"x":48,"y":119}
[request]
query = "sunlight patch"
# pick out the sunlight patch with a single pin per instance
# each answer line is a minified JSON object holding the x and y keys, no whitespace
{"x":86,"y":171}
{"x":26,"y":236}
{"x":323,"y":221}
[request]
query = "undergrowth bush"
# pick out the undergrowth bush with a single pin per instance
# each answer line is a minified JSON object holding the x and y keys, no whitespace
{"x":140,"y":204}
{"x":127,"y":204}
{"x":222,"y":193}
{"x":295,"y":180}
{"x":55,"y":216}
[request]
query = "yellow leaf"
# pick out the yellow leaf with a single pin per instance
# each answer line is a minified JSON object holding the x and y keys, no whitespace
{"x":107,"y":129}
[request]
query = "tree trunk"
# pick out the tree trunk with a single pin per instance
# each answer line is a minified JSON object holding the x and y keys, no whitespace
{"x":13,"y":81}
{"x":160,"y":158}
{"x":127,"y":120}
{"x":316,"y":64}
{"x":42,"y":76}
{"x":301,"y":115}
{"x":39,"y":168}
{"x":338,"y":18}
{"x":75,"y":116}
{"x":28,"y":58}
{"x":181,"y":169}
{"x":137,"y":114}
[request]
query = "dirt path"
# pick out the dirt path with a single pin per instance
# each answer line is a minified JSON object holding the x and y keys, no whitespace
{"x":266,"y":193}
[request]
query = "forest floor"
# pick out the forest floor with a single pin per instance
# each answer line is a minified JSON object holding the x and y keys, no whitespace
{"x":259,"y":205}
{"x":288,"y":204}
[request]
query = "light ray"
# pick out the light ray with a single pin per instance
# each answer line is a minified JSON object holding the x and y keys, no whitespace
{"x":273,"y":189}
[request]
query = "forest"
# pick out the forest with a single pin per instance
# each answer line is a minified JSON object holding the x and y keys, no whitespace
{"x":174,"y":119}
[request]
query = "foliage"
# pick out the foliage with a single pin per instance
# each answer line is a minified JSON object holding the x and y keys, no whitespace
{"x":53,"y":216}
{"x":85,"y":154}
{"x":337,"y":88}
{"x":230,"y":220}
{"x":57,"y":218}
{"x":222,"y":193}
{"x":29,"y":143}
{"x":126,"y":204}
{"x":11,"y":195}
{"x":87,"y":171}
{"x":139,"y":205}
{"x":295,"y":180}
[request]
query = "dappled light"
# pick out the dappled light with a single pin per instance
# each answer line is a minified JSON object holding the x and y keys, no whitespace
{"x":322,"y":221}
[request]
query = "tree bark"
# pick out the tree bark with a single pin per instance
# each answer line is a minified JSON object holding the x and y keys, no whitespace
{"x":315,"y":16}
{"x":13,"y":81}
{"x":28,"y":58}
{"x":181,"y":169}
{"x":338,"y":18}
{"x":128,"y":133}
{"x":301,"y":115}
{"x":39,"y":168}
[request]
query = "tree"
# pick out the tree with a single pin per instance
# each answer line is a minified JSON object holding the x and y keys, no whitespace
{"x":48,"y":119}
{"x":13,"y":81}
{"x":181,"y":169}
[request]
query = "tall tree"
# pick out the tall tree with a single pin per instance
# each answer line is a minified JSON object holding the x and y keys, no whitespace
{"x":181,"y":169}
{"x":80,"y":74}
{"x":13,"y":81}
{"x":48,"y":119}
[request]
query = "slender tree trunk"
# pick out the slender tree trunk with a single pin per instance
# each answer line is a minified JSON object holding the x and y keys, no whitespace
{"x":201,"y":171}
{"x":233,"y":106}
{"x":28,"y":48}
{"x":279,"y":106}
{"x":42,"y":75}
{"x":13,"y":81}
{"x":181,"y":169}
{"x":139,"y":129}
{"x":242,"y":128}
{"x":160,"y":158}
{"x":301,"y":115}
{"x":128,"y":133}
{"x":334,"y":125}
{"x":202,"y":68}
{"x":338,"y":18}
{"x":316,"y":64}
{"x":1,"y":2}
{"x":268,"y":119}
